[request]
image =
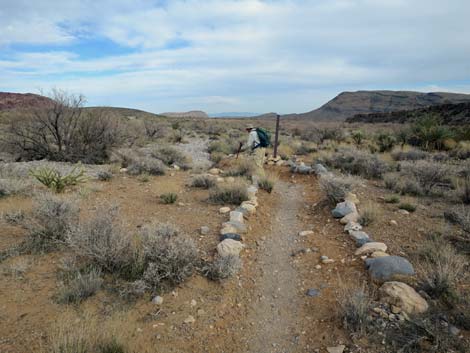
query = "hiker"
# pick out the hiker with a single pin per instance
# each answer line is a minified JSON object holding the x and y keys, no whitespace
{"x":258,"y":140}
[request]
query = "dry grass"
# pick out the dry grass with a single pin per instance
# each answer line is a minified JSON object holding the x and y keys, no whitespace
{"x":369,"y":214}
{"x":79,"y":286}
{"x":203,"y":182}
{"x":234,"y":193}
{"x":354,"y":309}
{"x":223,"y":267}
{"x":336,"y":187}
{"x":268,"y":181}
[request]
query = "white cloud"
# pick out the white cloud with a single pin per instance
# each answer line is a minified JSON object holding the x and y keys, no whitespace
{"x":249,"y":55}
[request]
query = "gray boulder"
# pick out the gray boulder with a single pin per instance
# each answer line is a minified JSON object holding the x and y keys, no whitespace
{"x":361,"y":242}
{"x":303,"y":169}
{"x":232,"y":236}
{"x":240,"y":227}
{"x":343,"y":208}
{"x":319,"y":169}
{"x":389,"y":268}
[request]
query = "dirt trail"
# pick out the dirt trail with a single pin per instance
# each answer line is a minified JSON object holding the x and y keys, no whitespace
{"x":276,"y":316}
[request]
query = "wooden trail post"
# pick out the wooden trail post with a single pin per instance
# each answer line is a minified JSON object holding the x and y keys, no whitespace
{"x":276,"y":137}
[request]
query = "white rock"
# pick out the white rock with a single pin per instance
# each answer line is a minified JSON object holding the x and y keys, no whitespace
{"x":351,"y":217}
{"x":352,"y":227}
{"x":214,"y":171}
{"x":236,"y":216}
{"x":305,"y":233}
{"x":220,"y":180}
{"x":393,"y":222}
{"x":404,"y":297}
{"x":228,"y":229}
{"x":250,"y":208}
{"x":229,"y":247}
{"x":403,"y":212}
{"x":190,"y":320}
{"x":204,"y":230}
{"x":224,"y":210}
{"x":157,"y":300}
{"x":337,"y":349}
{"x":176,"y":167}
{"x":123,"y":170}
{"x":369,"y":248}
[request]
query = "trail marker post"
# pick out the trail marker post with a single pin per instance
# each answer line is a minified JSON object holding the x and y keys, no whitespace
{"x":276,"y":136}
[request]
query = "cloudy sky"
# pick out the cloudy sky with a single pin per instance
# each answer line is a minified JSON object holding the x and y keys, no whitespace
{"x":225,"y":55}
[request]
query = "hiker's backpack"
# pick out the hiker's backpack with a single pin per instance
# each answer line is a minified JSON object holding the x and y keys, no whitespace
{"x":264,"y":137}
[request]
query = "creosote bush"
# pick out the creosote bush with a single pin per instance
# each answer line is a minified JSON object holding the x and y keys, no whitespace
{"x":223,"y":267}
{"x":203,"y":181}
{"x":336,"y":187}
{"x":234,"y":193}
{"x":427,"y":174}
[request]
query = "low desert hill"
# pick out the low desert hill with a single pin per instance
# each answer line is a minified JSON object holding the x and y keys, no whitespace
{"x":11,"y":101}
{"x":190,"y":114}
{"x":452,"y":114}
{"x":348,"y":104}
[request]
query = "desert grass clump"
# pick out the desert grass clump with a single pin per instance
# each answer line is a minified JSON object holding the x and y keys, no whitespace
{"x":336,"y":187}
{"x":105,"y":175}
{"x":168,"y":198}
{"x":149,"y":165}
{"x":102,"y":241}
{"x":52,"y":218}
{"x":368,"y":214}
{"x":267,"y":182}
{"x":354,"y":310}
{"x":407,"y":207}
{"x":440,"y":269}
{"x":392,"y":199}
{"x":168,"y":259}
{"x":223,"y":267}
{"x":234,"y":193}
{"x":203,"y":182}
{"x":80,"y":286}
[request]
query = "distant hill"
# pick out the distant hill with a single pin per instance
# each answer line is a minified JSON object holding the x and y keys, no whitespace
{"x":452,"y":114}
{"x":12,"y":101}
{"x":233,"y":115}
{"x":348,"y":104}
{"x":190,"y":114}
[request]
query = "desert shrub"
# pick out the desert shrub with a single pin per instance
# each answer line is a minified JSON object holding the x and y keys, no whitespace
{"x":459,"y":215}
{"x":427,"y":174}
{"x":160,"y":230}
{"x":357,"y":163}
{"x":234,"y":194}
{"x":464,"y":191}
{"x":368,"y":214}
{"x":412,"y":155}
{"x":385,"y":141}
{"x":319,"y":135}
{"x":223,"y":267}
{"x":105,"y":175}
{"x":143,"y":178}
{"x":267,"y":183}
{"x":423,"y":334}
{"x":357,"y":137}
{"x":222,"y":146}
{"x":392,"y":199}
{"x":216,"y":157}
{"x":203,"y":181}
{"x":168,"y":198}
{"x":429,"y":133}
{"x":336,"y":187}
{"x":390,"y":181}
{"x":170,"y":155}
{"x":303,"y":149}
{"x":407,"y":206}
{"x":12,"y":187}
{"x":55,"y":180}
{"x":241,"y":168}
{"x":102,"y":241}
{"x":409,"y":186}
{"x":140,"y":165}
{"x":62,"y":131}
{"x":440,"y":269}
{"x":354,"y":310}
{"x":80,"y":286}
{"x":51,"y":219}
{"x":169,"y":259}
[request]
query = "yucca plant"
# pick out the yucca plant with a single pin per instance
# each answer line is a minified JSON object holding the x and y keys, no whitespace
{"x":55,"y":180}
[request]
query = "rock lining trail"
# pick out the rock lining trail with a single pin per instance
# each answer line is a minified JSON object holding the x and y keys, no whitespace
{"x":275,"y":316}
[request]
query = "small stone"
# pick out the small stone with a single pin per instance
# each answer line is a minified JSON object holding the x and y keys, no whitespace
{"x":200,"y":312}
{"x":369,"y":248}
{"x":403,"y":212}
{"x":193,"y":302}
{"x":352,"y":227}
{"x":305,"y":233}
{"x":224,"y":210}
{"x":250,"y":208}
{"x":123,"y":170}
{"x":190,"y":320}
{"x":214,"y":171}
{"x":337,"y":349}
{"x":393,"y":223}
{"x":323,"y":257}
{"x":204,"y":230}
{"x":157,"y":300}
{"x":312,"y":292}
{"x":318,"y":267}
{"x":236,"y":216}
{"x":328,"y":261}
{"x":176,"y":167}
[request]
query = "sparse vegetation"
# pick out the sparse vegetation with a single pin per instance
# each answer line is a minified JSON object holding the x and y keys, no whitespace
{"x":392,"y":199}
{"x":354,"y":309}
{"x":368,"y":214}
{"x":242,"y":168}
{"x":149,"y":165}
{"x":203,"y":181}
{"x":56,"y":181}
{"x":168,"y":198}
{"x":79,"y":286}
{"x":171,"y":156}
{"x":105,"y":175}
{"x":229,"y":194}
{"x":267,"y":182}
{"x":336,"y":187}
{"x":427,"y":174}
{"x":223,"y":267}
{"x":407,"y":207}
